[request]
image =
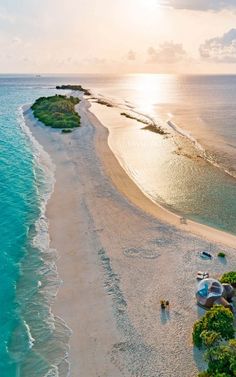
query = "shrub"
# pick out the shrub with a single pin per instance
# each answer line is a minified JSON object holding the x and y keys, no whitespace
{"x":74,"y":87}
{"x":206,"y":374}
{"x":221,"y":255}
{"x":197,"y":331}
{"x":210,"y":338}
{"x":229,"y":278}
{"x":215,"y":325}
{"x":66,"y":131}
{"x":222,"y":360}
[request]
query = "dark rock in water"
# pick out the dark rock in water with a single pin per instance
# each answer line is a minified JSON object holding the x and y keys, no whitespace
{"x":151,"y":126}
{"x":154,"y":128}
{"x":105,"y":103}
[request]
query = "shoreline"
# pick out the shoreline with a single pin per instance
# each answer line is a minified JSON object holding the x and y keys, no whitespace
{"x":49,"y":280}
{"x":199,"y":146}
{"x":70,"y":265}
{"x":134,"y":193}
{"x":103,"y":227}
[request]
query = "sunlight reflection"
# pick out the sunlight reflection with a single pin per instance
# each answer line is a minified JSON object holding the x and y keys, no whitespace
{"x":152,"y":89}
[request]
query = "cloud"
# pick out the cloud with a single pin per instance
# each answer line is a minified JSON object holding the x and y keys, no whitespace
{"x":220,"y":49}
{"x":214,"y":5}
{"x":167,"y":52}
{"x":131,"y":55}
{"x":94,"y":61}
{"x":17,"y":40}
{"x":5,"y":16}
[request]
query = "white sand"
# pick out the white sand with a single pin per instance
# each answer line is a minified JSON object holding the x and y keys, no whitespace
{"x":118,"y":258}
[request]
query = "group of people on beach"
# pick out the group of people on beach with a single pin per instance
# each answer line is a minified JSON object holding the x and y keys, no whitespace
{"x":165,"y":304}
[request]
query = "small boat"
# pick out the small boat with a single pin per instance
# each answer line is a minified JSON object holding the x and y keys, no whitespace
{"x":205,"y":254}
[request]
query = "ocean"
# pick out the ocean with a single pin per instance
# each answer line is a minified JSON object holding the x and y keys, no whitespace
{"x":191,"y":171}
{"x":29,"y":333}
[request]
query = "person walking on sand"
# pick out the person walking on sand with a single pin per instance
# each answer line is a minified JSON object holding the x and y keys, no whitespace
{"x":163,"y":304}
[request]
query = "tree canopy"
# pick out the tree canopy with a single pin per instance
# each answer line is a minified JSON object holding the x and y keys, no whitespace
{"x":215,"y":325}
{"x":229,"y":278}
{"x":57,"y":111}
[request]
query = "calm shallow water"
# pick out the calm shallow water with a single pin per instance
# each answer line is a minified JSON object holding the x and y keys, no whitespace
{"x":204,"y":108}
{"x":203,"y":105}
{"x":189,"y":186}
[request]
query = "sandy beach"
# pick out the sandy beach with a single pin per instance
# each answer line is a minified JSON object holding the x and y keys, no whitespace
{"x":119,"y":254}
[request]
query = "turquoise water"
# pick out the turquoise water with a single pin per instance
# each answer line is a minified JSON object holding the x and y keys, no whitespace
{"x":28,"y":278}
{"x":33,"y":343}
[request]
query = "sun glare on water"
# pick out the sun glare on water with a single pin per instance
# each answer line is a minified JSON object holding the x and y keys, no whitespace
{"x":151,"y":90}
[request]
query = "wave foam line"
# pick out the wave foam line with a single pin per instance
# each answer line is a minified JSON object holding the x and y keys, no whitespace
{"x":122,"y":104}
{"x":41,"y":240}
{"x":206,"y":155}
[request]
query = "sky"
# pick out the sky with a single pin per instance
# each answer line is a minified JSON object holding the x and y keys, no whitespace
{"x":118,"y":36}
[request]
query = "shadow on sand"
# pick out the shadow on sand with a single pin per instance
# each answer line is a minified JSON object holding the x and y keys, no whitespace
{"x":165,"y":316}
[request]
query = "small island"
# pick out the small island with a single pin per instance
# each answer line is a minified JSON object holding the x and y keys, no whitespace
{"x":74,"y":87}
{"x":57,"y":112}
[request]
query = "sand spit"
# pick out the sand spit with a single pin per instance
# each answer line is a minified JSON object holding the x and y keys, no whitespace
{"x":118,"y":257}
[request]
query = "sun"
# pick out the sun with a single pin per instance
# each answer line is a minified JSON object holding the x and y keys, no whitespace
{"x":149,"y":3}
{"x":149,"y":9}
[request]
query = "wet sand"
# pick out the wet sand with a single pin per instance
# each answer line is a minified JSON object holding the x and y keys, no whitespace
{"x":119,"y":254}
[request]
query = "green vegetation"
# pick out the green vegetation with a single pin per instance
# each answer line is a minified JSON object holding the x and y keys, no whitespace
{"x":66,"y":131}
{"x":221,"y":361}
{"x":57,"y":111}
{"x":210,"y":338}
{"x":229,"y":278}
{"x":74,"y":87}
{"x":221,"y":255}
{"x":150,"y":125}
{"x":206,"y":374}
{"x":214,"y":326}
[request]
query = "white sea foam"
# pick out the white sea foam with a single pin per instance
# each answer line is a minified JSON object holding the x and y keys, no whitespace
{"x":31,"y":339}
{"x":43,"y":162}
{"x":186,"y":134}
{"x":44,"y":171}
{"x":205,"y":154}
{"x":170,"y":124}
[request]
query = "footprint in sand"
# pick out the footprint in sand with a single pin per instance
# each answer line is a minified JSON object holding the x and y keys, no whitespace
{"x":140,"y":253}
{"x":162,"y":242}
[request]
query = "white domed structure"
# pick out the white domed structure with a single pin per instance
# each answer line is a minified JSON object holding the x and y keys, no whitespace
{"x":211,"y":292}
